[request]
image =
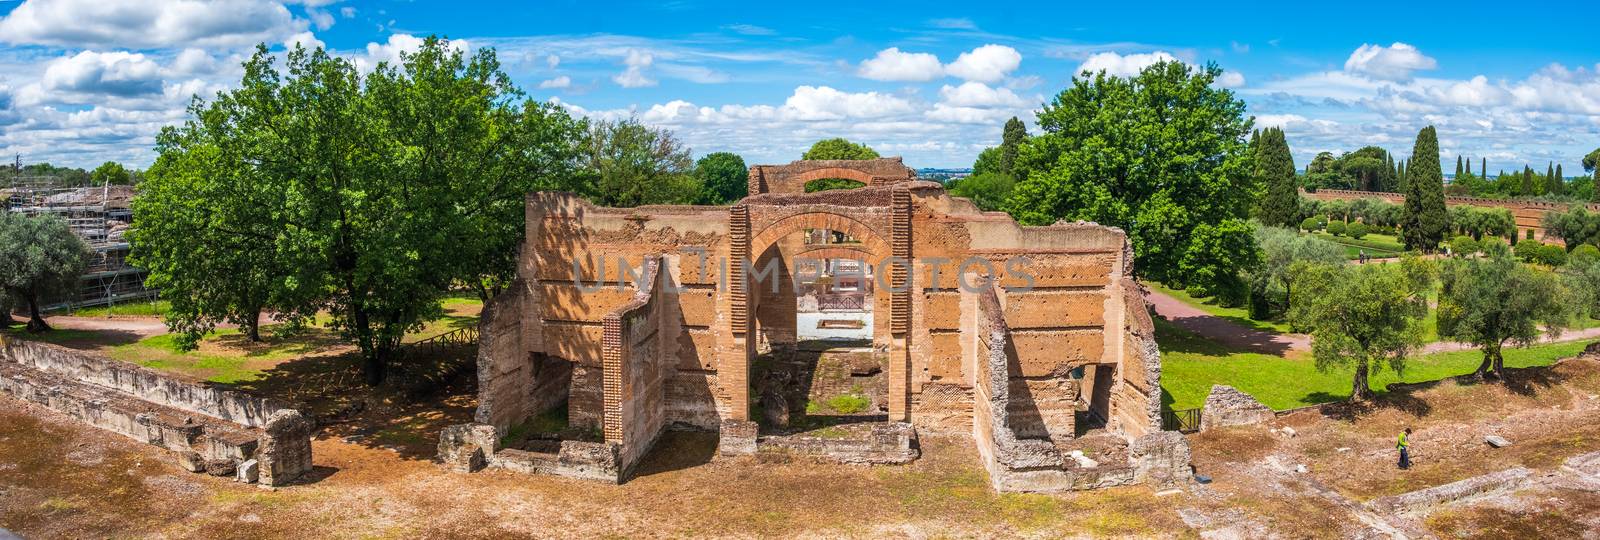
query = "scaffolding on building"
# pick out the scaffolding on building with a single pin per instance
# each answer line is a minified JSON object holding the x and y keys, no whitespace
{"x":100,"y":216}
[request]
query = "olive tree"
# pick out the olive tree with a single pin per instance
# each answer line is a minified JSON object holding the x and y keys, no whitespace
{"x":1362,"y":316}
{"x":1494,"y":300}
{"x":40,"y":257}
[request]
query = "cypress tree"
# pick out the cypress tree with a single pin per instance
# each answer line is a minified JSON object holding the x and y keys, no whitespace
{"x":1275,"y":167}
{"x":1528,"y":188}
{"x":1483,"y":168}
{"x":1561,"y":179}
{"x":1400,"y":177}
{"x":1010,"y":140}
{"x":1424,"y":219}
{"x":1458,"y":168}
{"x":1551,"y":180}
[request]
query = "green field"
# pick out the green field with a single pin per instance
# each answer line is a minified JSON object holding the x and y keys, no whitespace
{"x":1191,"y":364}
{"x":152,"y":308}
{"x":1375,"y":245}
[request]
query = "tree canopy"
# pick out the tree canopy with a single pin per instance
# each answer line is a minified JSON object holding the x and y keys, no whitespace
{"x":112,"y":173}
{"x":377,"y":191}
{"x":1163,"y":155}
{"x":40,"y":257}
{"x":839,"y":148}
{"x":1364,"y":315}
{"x":635,"y":164}
{"x":723,"y":178}
{"x":1495,"y":300}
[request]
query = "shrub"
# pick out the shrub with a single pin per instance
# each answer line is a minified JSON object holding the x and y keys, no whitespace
{"x":1552,"y":255}
{"x":1528,"y":250}
{"x":1463,"y":245}
{"x":1336,"y":228}
{"x":1529,"y":235}
{"x":1584,"y":256}
{"x":1311,"y":224}
{"x":1356,"y":230}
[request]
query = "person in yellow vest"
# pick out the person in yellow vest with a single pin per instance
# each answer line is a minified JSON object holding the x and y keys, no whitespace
{"x":1405,"y":449}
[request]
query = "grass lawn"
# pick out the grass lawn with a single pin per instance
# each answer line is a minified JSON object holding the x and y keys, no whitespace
{"x":1376,"y":245}
{"x":151,"y":308}
{"x":225,"y":356}
{"x":1239,"y":314}
{"x":1192,"y":364}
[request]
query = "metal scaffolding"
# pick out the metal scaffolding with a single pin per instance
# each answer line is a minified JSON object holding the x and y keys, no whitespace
{"x":100,"y":216}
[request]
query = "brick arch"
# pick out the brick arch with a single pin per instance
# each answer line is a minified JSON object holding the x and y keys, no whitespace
{"x":872,"y":242}
{"x":797,"y":183}
{"x":837,"y":251}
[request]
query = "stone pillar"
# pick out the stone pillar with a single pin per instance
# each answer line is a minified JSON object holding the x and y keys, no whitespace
{"x":285,"y":448}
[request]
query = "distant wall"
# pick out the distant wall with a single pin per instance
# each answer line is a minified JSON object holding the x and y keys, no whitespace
{"x":1528,"y":214}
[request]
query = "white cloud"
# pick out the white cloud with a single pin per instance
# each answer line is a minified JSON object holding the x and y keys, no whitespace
{"x":558,"y":82}
{"x":893,"y":65}
{"x":1393,"y":63}
{"x":552,"y":61}
{"x":989,"y":63}
{"x":1230,"y":79}
{"x":148,"y":23}
{"x":390,"y":50}
{"x":347,"y":12}
{"x":1123,"y":65}
{"x":826,"y":103}
{"x":117,"y":73}
{"x":633,"y":76}
{"x":307,"y":40}
{"x":322,"y":19}
{"x":976,"y":94}
{"x":193,"y":62}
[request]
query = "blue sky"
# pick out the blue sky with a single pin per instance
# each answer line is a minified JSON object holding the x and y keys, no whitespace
{"x":84,"y":81}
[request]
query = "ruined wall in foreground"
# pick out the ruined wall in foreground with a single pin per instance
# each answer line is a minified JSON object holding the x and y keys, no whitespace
{"x":210,"y":429}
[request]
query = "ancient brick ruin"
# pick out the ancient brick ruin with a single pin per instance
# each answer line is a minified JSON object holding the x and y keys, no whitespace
{"x":625,"y":323}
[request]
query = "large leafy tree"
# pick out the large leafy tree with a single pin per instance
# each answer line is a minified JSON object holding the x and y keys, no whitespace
{"x":1361,"y":316}
{"x":723,"y":178}
{"x":111,"y":172}
{"x":1495,"y":300}
{"x":1163,"y":155}
{"x":1271,"y":285}
{"x":379,"y":191}
{"x":636,"y":164}
{"x":40,"y":257}
{"x":838,"y":148}
{"x":1425,"y":220}
{"x":1275,"y":168}
{"x":988,"y":190}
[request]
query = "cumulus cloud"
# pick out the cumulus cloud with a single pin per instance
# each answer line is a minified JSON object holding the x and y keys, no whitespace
{"x":989,"y":63}
{"x":1121,"y":65}
{"x":1393,"y":63}
{"x":117,"y":73}
{"x":633,"y":75}
{"x":1230,"y":79}
{"x":309,"y":41}
{"x":193,"y":62}
{"x":558,"y":82}
{"x":389,"y":51}
{"x":976,"y":94}
{"x":826,"y":103}
{"x":148,"y":23}
{"x":892,"y":64}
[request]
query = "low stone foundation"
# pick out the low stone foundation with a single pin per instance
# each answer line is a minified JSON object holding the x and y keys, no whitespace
{"x":210,"y":429}
{"x":890,"y":443}
{"x":1423,"y":500}
{"x":471,"y":447}
{"x":1227,"y":406}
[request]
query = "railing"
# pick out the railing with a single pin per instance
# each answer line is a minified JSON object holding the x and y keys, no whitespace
{"x":851,"y":302}
{"x":430,"y":364}
{"x":1184,"y":420}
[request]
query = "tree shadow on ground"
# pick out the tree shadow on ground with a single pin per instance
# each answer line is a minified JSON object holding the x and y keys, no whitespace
{"x":82,"y":340}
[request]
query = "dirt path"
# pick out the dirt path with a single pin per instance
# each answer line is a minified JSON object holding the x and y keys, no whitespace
{"x":1225,"y":331}
{"x":142,"y":326}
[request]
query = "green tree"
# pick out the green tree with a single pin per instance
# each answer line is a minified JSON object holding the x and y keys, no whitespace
{"x":636,"y":164}
{"x":1271,"y":286}
{"x":1010,"y":141}
{"x":1361,"y":315}
{"x":1161,"y":155}
{"x":838,"y":148}
{"x":1575,"y":226}
{"x":1553,"y":184}
{"x":1591,"y":164}
{"x":112,"y":173}
{"x":723,"y":178}
{"x":988,"y":190}
{"x":40,"y":257}
{"x":988,"y":161}
{"x":391,"y":185}
{"x":1425,"y":221}
{"x":1275,"y":169}
{"x":1493,"y":300}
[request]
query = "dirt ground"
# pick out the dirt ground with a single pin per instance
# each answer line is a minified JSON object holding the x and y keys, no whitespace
{"x":375,"y":478}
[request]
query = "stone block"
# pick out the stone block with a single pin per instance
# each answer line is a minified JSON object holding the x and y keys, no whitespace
{"x":190,"y":461}
{"x":220,"y":467}
{"x":1227,"y":406}
{"x":466,"y":447}
{"x":1496,"y":441}
{"x":248,"y":472}
{"x":285,"y":450}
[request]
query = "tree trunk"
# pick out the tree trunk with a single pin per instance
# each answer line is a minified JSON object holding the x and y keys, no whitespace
{"x":1483,"y":368}
{"x":372,"y":353}
{"x":1359,"y":390}
{"x":254,"y":330}
{"x":1500,"y":366}
{"x":36,"y":322}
